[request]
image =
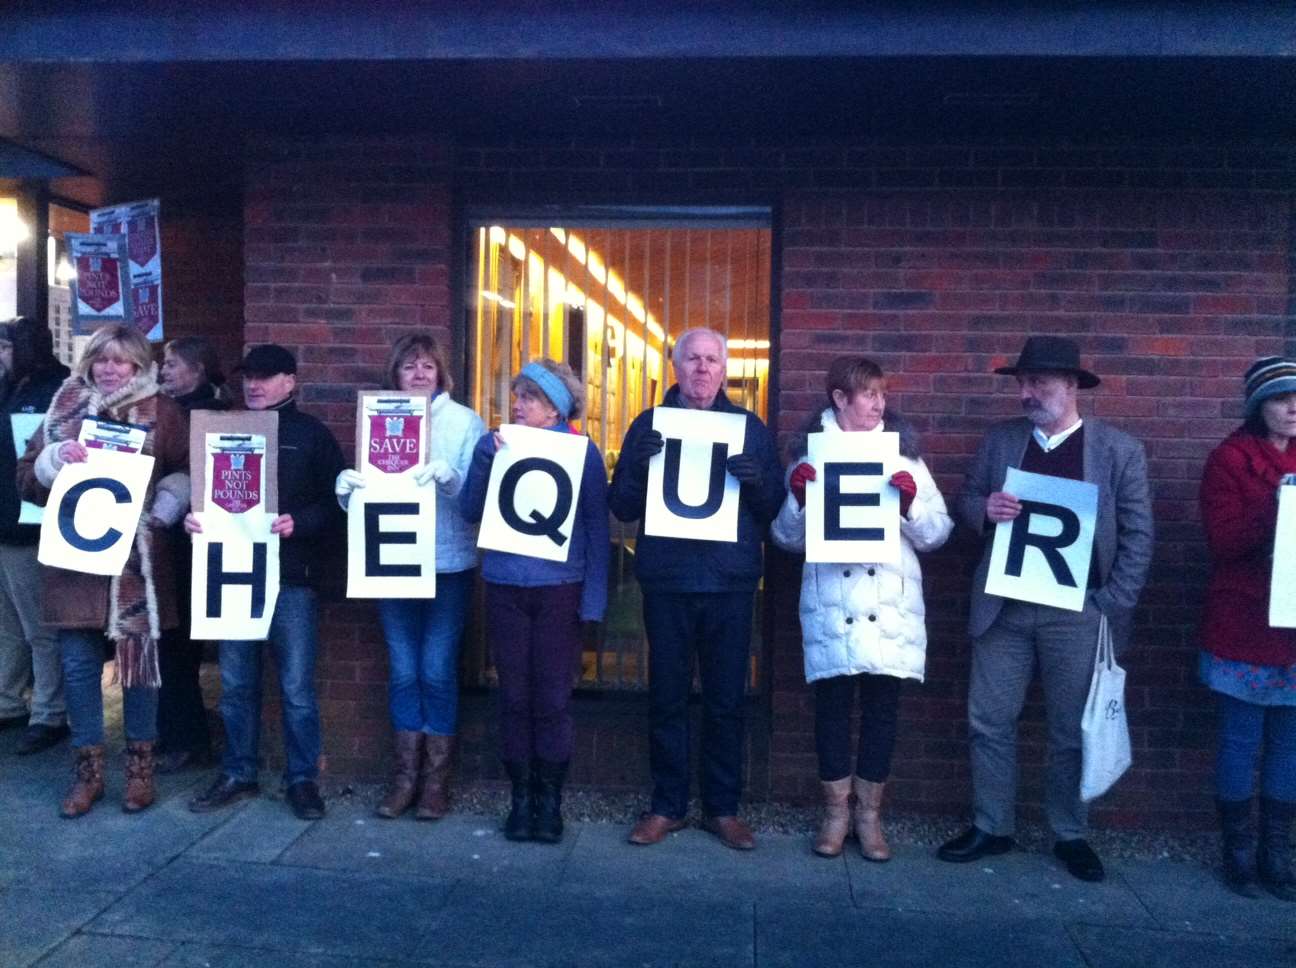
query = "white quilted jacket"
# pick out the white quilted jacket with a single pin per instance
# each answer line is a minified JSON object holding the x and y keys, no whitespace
{"x":867,"y":617}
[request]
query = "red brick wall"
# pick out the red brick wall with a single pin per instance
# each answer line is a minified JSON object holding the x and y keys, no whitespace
{"x":1169,"y":264}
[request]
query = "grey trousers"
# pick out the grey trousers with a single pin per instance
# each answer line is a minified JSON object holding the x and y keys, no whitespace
{"x":1063,"y":645}
{"x":29,"y":652}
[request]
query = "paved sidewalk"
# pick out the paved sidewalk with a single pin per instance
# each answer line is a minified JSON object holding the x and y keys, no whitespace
{"x":254,"y":886}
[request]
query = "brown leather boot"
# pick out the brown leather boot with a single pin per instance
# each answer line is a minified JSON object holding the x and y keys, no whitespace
{"x":434,"y":781}
{"x":139,"y":778}
{"x":836,"y":819}
{"x":88,"y":785}
{"x":400,"y":792}
{"x":868,"y":820}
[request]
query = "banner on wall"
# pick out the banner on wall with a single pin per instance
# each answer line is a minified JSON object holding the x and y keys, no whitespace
{"x":24,"y":427}
{"x":690,"y":493}
{"x":852,"y":514}
{"x":139,"y":224}
{"x":93,"y":511}
{"x":1282,"y":589}
{"x":100,"y":288}
{"x":531,"y":496}
{"x":1043,"y":554}
{"x":233,"y":460}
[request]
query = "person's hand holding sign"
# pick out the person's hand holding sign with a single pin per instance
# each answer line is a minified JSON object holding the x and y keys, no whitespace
{"x":72,"y":452}
{"x":1002,"y":506}
{"x":646,"y":448}
{"x":745,"y":468}
{"x":282,"y":526}
{"x":801,"y":475}
{"x":903,"y":482}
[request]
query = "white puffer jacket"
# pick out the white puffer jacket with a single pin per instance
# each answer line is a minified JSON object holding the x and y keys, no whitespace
{"x":867,"y":617}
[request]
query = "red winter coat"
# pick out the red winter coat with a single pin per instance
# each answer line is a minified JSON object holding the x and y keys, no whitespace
{"x":1239,"y":505}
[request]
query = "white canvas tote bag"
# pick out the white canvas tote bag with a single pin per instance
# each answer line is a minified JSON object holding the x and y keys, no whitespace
{"x":1105,"y":732}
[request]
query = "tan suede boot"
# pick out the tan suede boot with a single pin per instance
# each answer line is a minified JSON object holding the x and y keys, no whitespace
{"x":434,"y":781}
{"x":400,"y":792}
{"x":139,"y":778}
{"x":836,"y":817}
{"x":868,"y":820}
{"x":88,"y":785}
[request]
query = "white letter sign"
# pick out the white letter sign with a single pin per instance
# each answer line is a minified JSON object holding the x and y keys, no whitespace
{"x":531,"y":496}
{"x":1282,"y":590}
{"x":92,"y":513}
{"x":391,"y":540}
{"x":690,"y":493}
{"x":852,"y":513}
{"x":1043,"y":554}
{"x":24,"y":427}
{"x":235,"y":576}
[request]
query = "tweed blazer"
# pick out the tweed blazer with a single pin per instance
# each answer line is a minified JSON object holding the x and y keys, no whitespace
{"x":1114,"y":461}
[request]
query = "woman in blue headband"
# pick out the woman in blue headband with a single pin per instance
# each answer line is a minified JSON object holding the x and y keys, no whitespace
{"x":535,"y":610}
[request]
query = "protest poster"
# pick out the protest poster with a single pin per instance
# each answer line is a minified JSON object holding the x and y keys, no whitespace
{"x":139,"y":223}
{"x":1043,"y":555}
{"x":690,"y":493}
{"x":93,"y":511}
{"x":391,"y":432}
{"x":391,"y":540}
{"x":852,"y":512}
{"x":233,"y":460}
{"x":1282,"y":588}
{"x":24,"y":427}
{"x":98,"y":433}
{"x":531,"y":496}
{"x":100,"y":287}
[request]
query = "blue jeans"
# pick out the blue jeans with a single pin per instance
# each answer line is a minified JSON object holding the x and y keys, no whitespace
{"x":1243,"y":728}
{"x":423,"y":638}
{"x":294,"y":640}
{"x":84,"y":651}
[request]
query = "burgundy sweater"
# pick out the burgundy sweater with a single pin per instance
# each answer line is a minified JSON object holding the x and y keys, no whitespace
{"x":1239,"y":505}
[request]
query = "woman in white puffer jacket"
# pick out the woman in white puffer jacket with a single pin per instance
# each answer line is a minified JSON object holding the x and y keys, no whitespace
{"x":862,"y":623}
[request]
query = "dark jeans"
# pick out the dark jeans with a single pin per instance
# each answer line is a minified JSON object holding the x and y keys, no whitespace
{"x":182,"y":718}
{"x":294,"y":641}
{"x":84,"y":652}
{"x":717,"y":628}
{"x":879,"y":703}
{"x":1243,"y":728}
{"x":423,"y":638}
{"x":535,"y":640}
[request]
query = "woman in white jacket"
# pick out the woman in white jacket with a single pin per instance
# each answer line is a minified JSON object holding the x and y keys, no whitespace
{"x":423,"y":635}
{"x":862,"y":624}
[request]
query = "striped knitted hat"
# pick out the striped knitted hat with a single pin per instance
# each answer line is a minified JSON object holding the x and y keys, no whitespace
{"x":1267,"y":378}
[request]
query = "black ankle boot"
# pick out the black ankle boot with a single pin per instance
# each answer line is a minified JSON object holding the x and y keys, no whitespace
{"x":546,"y":791}
{"x":1238,"y":844}
{"x":517,"y":826}
{"x":1274,"y":856}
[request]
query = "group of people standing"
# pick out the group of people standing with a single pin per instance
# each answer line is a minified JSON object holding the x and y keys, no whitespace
{"x":863,"y":623}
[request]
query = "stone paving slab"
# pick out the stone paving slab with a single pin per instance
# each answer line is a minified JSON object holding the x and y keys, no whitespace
{"x":1104,"y":946}
{"x":230,"y":956}
{"x":1016,"y":885}
{"x":458,"y":847}
{"x":806,"y":935}
{"x":257,"y":831}
{"x":277,"y":908}
{"x":34,"y":921}
{"x":1188,"y":898}
{"x":104,"y":951}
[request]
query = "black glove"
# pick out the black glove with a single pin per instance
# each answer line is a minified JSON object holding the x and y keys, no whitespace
{"x":646,"y":448}
{"x":744,"y":467}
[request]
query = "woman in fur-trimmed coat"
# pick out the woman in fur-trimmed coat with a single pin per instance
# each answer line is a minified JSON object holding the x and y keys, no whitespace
{"x":115,"y":380}
{"x":862,"y":624}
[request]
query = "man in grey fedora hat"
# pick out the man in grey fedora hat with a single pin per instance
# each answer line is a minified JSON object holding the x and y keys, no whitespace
{"x":1011,"y":638}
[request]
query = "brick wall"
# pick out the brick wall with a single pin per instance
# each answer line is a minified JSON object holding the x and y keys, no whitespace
{"x":1170,"y":264}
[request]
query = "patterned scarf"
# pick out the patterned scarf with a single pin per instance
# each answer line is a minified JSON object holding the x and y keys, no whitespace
{"x":132,"y":599}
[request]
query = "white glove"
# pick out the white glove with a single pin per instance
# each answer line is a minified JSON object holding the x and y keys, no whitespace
{"x":437,"y":470}
{"x":167,"y":509}
{"x":49,"y":463}
{"x":347,"y":482}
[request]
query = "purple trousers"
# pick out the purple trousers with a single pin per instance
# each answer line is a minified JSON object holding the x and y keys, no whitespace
{"x":535,"y":640}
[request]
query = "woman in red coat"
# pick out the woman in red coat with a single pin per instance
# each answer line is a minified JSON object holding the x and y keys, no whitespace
{"x":1249,"y":665}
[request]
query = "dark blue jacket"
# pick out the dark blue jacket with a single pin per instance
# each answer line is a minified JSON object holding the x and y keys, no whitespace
{"x":309,"y":462}
{"x":590,"y":552}
{"x":31,"y":395}
{"x":684,"y":565}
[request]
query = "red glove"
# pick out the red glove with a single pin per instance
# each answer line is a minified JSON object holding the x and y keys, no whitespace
{"x":797,"y":483}
{"x":903,"y":482}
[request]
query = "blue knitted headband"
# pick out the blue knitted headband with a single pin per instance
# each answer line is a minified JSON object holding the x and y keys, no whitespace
{"x":552,"y":387}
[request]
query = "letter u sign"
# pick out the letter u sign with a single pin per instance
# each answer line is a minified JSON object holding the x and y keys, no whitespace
{"x":690,"y":494}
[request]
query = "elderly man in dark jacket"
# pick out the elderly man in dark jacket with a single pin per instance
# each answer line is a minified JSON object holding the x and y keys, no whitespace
{"x":309,"y":463}
{"x":29,"y":653}
{"x":698,"y":596}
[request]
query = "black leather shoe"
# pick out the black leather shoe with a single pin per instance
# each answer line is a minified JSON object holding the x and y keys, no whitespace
{"x":305,"y":800}
{"x":12,"y":722}
{"x":973,"y":844}
{"x":173,"y":761}
{"x":1081,"y":862}
{"x":39,"y":737}
{"x":224,"y":791}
